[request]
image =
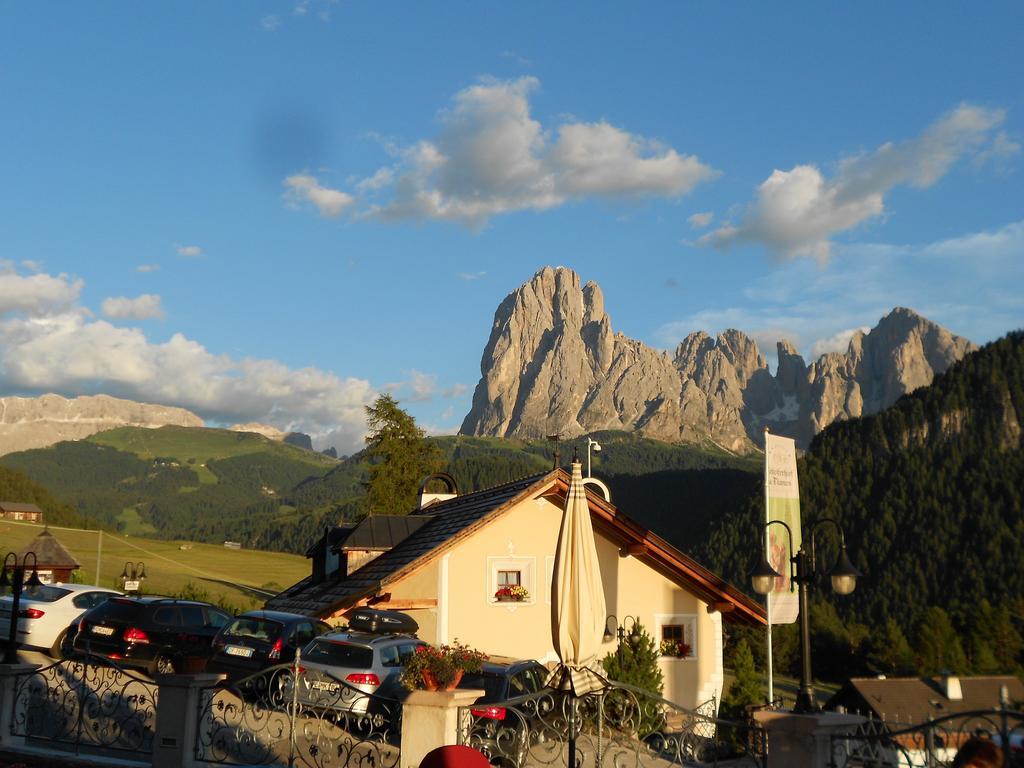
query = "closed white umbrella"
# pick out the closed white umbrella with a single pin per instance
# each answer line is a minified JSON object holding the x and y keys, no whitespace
{"x":577,"y":595}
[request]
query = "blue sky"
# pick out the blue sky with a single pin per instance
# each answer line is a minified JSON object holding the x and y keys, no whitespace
{"x":273,"y":211}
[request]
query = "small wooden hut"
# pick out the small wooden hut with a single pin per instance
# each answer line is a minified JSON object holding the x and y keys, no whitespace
{"x":53,"y":562}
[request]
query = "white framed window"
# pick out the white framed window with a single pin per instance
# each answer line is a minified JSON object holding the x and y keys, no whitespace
{"x":676,"y":635}
{"x":504,"y":572}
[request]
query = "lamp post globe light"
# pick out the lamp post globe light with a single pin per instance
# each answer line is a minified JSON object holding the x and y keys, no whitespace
{"x":16,"y":582}
{"x":132,"y":576}
{"x":804,"y":572}
{"x":591,"y":443}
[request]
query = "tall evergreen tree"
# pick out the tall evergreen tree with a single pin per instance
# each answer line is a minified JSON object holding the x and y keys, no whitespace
{"x":746,"y":688}
{"x":399,"y":458}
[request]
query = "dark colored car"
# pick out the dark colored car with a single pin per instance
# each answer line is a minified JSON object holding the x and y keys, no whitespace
{"x":501,"y":735}
{"x":256,"y":640}
{"x":157,"y":634}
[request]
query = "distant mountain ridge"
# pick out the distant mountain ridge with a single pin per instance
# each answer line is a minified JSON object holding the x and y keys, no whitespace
{"x":37,"y":422}
{"x":553,"y":365}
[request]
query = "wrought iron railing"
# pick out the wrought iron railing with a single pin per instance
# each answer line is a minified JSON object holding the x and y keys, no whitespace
{"x":932,"y":744}
{"x":287,"y":715}
{"x":90,"y":704}
{"x":617,"y":727}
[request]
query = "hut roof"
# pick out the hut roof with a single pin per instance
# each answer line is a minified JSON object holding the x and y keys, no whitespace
{"x":49,"y":552}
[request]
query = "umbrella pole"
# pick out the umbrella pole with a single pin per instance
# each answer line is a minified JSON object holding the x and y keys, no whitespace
{"x":572,"y":732}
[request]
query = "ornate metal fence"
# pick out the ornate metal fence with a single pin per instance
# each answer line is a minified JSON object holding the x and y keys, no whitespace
{"x":618,"y":727}
{"x":90,"y":705}
{"x":287,"y":715}
{"x":929,"y":745}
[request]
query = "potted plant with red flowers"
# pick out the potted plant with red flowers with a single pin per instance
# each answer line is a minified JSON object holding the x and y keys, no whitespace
{"x":440,"y":668}
{"x":674,"y":648}
{"x":511,"y":594}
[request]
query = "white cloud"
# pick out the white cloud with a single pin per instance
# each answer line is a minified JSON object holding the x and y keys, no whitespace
{"x":140,"y":308}
{"x":998,"y":152}
{"x":838,"y":342}
{"x":189,"y":251}
{"x":968,"y":284}
{"x":423,"y":387}
{"x":329,"y":202}
{"x":32,"y":265}
{"x":795,"y":212}
{"x":49,"y":343}
{"x":492,"y":156}
{"x":701,"y":220}
{"x":147,"y":268}
{"x":270,"y":22}
{"x":37,"y":294}
{"x":469,"y":276}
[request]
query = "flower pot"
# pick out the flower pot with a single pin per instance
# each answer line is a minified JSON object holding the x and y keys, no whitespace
{"x":430,"y":682}
{"x":508,"y":599}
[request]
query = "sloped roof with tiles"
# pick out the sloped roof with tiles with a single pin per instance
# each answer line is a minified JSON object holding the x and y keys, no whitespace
{"x":446,"y":523}
{"x":910,"y":700}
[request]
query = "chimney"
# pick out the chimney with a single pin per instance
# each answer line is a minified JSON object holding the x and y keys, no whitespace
{"x":427,"y":497}
{"x":951,"y":687}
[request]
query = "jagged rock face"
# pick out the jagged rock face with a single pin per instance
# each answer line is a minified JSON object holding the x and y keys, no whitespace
{"x":553,"y":365}
{"x":36,"y":422}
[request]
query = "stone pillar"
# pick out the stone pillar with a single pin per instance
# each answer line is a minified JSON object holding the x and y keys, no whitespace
{"x":9,"y":674}
{"x":174,"y":743}
{"x":803,"y":741}
{"x":430,"y":719}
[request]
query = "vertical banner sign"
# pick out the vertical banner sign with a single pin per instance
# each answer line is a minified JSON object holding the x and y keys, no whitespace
{"x":782,"y":502}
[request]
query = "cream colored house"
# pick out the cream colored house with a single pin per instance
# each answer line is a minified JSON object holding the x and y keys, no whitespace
{"x":445,"y":562}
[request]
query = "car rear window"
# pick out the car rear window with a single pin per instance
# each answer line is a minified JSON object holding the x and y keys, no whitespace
{"x":44,"y":593}
{"x":493,"y":685}
{"x":339,"y":654}
{"x":256,"y":629}
{"x":115,"y":608}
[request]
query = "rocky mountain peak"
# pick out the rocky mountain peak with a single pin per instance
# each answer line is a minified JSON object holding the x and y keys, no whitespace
{"x":553,"y":364}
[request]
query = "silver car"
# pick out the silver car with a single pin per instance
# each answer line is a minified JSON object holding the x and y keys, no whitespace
{"x":346,"y":671}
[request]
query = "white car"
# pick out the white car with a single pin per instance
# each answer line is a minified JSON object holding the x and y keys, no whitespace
{"x":46,"y":612}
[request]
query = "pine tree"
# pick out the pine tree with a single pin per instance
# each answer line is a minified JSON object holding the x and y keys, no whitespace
{"x":399,"y":458}
{"x":746,"y":688}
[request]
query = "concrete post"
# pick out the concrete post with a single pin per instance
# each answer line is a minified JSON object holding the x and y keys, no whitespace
{"x":430,"y":719}
{"x":174,"y":743}
{"x":803,"y":741}
{"x":9,"y":674}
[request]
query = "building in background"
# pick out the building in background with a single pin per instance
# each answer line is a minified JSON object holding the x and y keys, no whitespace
{"x":13,"y":510}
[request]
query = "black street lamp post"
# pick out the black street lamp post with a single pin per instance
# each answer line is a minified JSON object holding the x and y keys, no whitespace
{"x":804,"y":573}
{"x":613,"y":628}
{"x":17,"y":583}
{"x":132,"y":576}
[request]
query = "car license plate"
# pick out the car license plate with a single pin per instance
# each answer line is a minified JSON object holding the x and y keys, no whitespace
{"x":105,"y":631}
{"x":238,"y":650}
{"x":321,"y":685}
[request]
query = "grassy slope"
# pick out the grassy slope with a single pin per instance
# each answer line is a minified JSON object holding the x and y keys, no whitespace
{"x":196,"y":446}
{"x":168,"y":568}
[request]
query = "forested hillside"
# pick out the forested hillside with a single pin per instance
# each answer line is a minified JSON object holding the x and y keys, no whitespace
{"x":931,"y":496}
{"x":16,"y":487}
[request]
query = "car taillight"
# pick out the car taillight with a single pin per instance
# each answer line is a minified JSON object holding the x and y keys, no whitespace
{"x":494,"y":713}
{"x":81,"y":625}
{"x":275,"y":652}
{"x":363,"y":678}
{"x":135,"y":635}
{"x":31,"y":613}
